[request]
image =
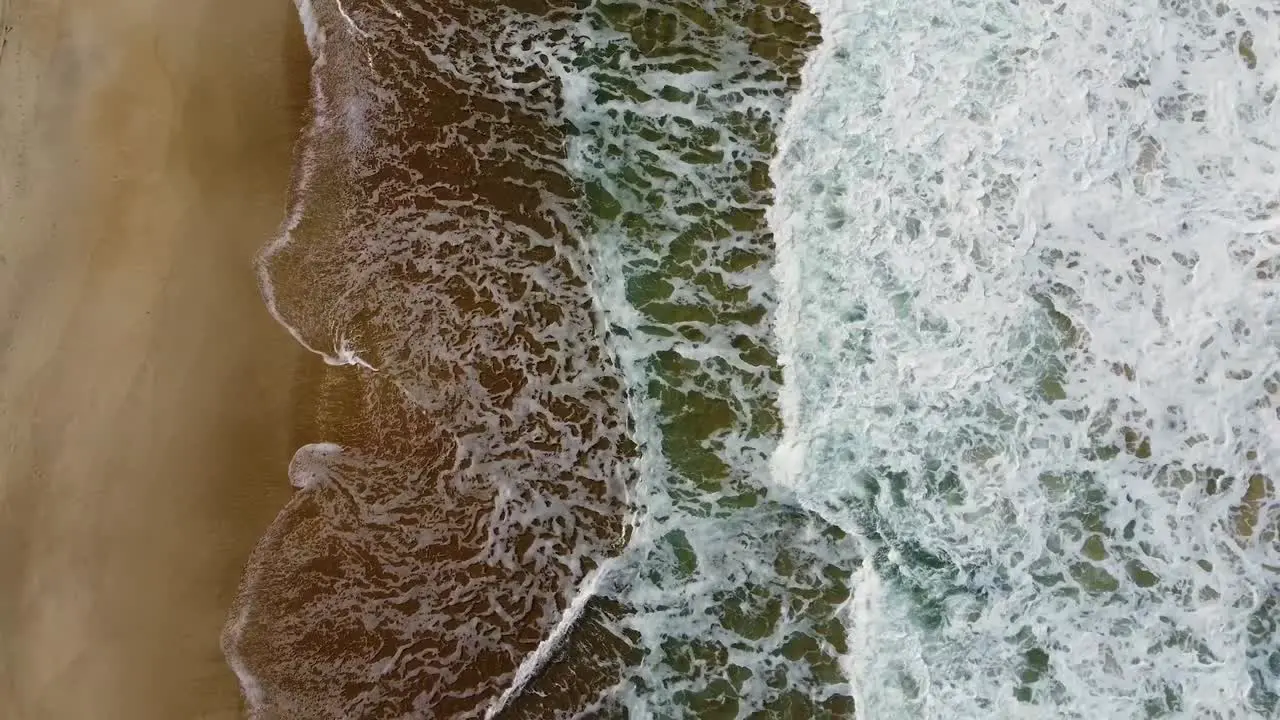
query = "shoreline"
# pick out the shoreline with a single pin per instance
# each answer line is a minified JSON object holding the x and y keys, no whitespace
{"x":149,"y":404}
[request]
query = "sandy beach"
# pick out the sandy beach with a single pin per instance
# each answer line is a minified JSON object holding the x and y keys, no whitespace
{"x":149,"y":405}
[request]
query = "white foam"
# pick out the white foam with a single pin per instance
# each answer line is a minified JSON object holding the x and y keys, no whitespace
{"x":304,"y":168}
{"x":366,"y":269}
{"x":311,"y":28}
{"x":254,"y":696}
{"x":347,"y":355}
{"x":354,"y":109}
{"x":957,"y":183}
{"x":538,"y":659}
{"x":312,"y":464}
{"x":700,"y":576}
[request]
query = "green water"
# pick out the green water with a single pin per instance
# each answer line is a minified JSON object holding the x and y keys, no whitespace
{"x":727,"y":607}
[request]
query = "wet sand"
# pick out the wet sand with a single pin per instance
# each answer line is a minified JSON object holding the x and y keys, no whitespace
{"x":148,"y":403}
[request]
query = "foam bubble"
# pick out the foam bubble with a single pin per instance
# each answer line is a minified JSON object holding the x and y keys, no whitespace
{"x":311,"y":464}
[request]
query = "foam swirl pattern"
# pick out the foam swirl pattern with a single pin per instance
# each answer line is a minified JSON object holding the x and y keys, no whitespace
{"x":1030,"y":323}
{"x":476,"y":460}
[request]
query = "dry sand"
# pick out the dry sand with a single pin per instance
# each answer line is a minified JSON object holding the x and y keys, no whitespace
{"x":147,"y":400}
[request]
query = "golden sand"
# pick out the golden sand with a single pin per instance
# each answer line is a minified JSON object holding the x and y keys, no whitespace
{"x":147,"y":400}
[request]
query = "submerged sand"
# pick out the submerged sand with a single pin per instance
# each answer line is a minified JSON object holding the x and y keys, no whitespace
{"x":147,"y":399}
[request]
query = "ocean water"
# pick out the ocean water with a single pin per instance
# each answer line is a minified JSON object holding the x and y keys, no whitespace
{"x":1030,"y":319}
{"x":472,"y":466}
{"x":767,"y":360}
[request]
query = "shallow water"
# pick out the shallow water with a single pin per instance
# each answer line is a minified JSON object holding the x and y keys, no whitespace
{"x":476,"y":464}
{"x":1024,"y":298}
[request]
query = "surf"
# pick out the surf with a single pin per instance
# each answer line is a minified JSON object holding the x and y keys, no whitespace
{"x":1028,"y":319}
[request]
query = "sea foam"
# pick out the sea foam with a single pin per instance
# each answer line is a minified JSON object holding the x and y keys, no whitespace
{"x":1027,"y":261}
